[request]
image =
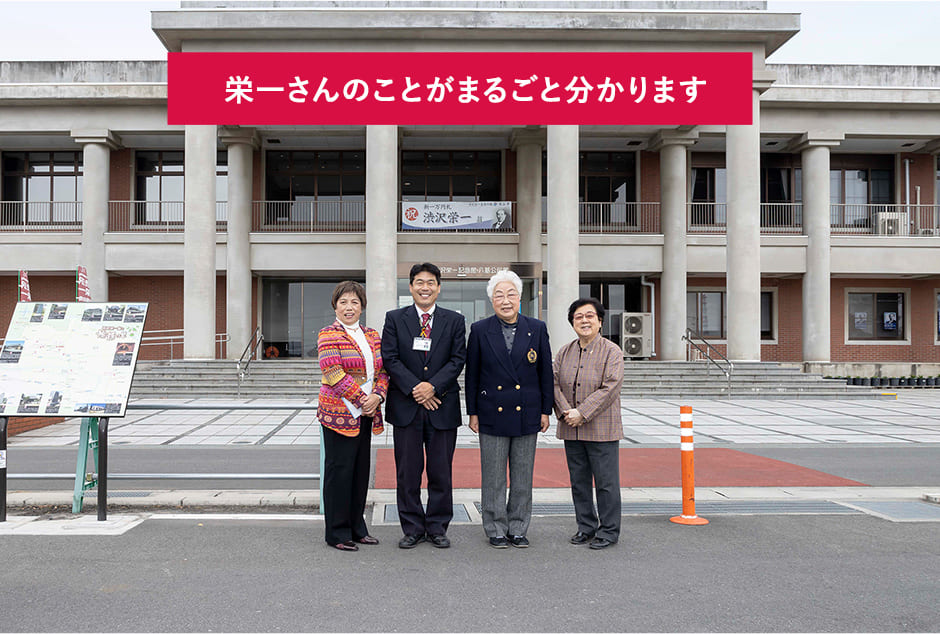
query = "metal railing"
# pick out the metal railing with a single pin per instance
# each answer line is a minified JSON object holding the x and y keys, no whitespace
{"x":705,"y":354}
{"x":307,"y":216}
{"x":257,"y":340}
{"x":781,"y":218}
{"x":885,"y":220}
{"x":20,"y":215}
{"x":170,"y":338}
{"x":619,"y":217}
{"x":707,"y":217}
{"x":164,"y":216}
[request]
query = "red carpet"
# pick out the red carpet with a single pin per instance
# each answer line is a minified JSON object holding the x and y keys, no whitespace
{"x":641,"y":468}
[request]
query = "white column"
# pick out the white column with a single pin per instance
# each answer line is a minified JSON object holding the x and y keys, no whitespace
{"x":240,"y":143}
{"x":528,"y":144}
{"x":743,"y":251}
{"x":96,"y":186}
{"x":563,"y":230}
{"x":816,"y":224}
{"x":381,"y":253}
{"x":672,"y":178}
{"x":199,"y":264}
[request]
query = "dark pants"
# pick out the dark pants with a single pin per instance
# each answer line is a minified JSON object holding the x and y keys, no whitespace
{"x":346,"y":482}
{"x":411,"y":444}
{"x":597,"y":462}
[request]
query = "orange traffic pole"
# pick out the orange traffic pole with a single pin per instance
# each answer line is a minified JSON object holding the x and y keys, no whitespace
{"x":688,"y":471}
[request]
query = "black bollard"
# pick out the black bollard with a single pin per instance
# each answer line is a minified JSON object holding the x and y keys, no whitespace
{"x":102,"y":469}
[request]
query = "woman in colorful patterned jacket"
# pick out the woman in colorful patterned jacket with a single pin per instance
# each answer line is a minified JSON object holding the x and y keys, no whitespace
{"x":353,"y":388}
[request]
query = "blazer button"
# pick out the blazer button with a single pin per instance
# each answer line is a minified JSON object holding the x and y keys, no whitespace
{"x":425,"y":368}
{"x":518,"y":408}
{"x":499,"y":409}
{"x":518,"y":387}
{"x":499,"y":387}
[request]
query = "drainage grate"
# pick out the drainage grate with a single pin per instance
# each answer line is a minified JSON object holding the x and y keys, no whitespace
{"x":901,"y":511}
{"x":460,"y":514}
{"x":744,"y":507}
{"x":119,"y":494}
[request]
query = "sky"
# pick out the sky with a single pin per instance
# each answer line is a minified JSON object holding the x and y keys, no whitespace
{"x":895,"y":32}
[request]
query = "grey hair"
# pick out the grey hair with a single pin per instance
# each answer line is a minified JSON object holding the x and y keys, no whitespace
{"x":503,"y":276}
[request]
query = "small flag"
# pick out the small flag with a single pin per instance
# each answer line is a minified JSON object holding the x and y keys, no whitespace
{"x":25,"y":295}
{"x":82,"y":294}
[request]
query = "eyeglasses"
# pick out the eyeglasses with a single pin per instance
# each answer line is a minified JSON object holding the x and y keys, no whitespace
{"x":511,"y":296}
{"x":585,"y":317}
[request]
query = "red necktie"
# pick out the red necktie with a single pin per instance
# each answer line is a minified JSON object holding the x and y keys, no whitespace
{"x":426,"y":325}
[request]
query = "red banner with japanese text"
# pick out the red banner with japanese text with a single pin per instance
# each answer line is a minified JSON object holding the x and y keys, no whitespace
{"x":82,"y":292}
{"x":460,"y":88}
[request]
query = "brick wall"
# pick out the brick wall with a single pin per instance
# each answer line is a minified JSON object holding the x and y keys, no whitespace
{"x":923,"y":312}
{"x":18,"y":425}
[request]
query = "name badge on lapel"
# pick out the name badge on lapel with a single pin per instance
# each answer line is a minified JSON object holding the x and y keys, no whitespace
{"x":421,"y":343}
{"x":532,"y":355}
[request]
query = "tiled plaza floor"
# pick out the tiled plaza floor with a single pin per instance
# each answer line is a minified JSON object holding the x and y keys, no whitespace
{"x":913,"y":418}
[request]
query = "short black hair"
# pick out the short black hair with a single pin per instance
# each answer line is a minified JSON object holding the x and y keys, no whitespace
{"x":348,"y":286}
{"x":424,"y":267}
{"x":584,"y":301}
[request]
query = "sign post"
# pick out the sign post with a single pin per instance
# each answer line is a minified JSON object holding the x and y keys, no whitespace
{"x":3,"y":468}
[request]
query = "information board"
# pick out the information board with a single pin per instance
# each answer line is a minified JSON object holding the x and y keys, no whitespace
{"x":70,"y":359}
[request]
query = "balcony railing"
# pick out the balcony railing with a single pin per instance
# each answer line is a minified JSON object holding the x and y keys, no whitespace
{"x":18,"y":215}
{"x":162,"y":216}
{"x":308,"y":216}
{"x":619,"y":217}
{"x":707,"y":217}
{"x":885,"y":220}
{"x":775,"y":218}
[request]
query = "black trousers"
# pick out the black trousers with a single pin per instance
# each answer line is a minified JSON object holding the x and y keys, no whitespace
{"x":411,"y":444}
{"x":595,"y":463}
{"x":346,"y":482}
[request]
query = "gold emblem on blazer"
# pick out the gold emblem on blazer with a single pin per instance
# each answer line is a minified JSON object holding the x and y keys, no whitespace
{"x":532,"y":355}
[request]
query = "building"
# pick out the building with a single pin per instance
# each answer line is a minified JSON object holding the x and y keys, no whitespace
{"x":811,"y":235}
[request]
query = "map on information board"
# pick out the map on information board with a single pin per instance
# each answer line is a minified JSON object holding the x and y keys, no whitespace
{"x":70,"y":359}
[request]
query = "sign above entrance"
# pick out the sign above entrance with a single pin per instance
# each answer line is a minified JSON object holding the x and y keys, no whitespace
{"x":453,"y":214}
{"x":460,"y":88}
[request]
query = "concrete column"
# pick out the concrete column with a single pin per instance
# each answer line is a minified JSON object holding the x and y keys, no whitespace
{"x":199,"y":263}
{"x":96,"y":191}
{"x":528,"y":144}
{"x":241,"y":143}
{"x":563,"y":230}
{"x":743,"y":251}
{"x":381,"y":253}
{"x":816,"y":224}
{"x":672,"y":177}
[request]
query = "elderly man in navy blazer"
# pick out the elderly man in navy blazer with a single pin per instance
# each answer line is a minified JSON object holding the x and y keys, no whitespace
{"x":510,"y":393}
{"x":423,"y":351}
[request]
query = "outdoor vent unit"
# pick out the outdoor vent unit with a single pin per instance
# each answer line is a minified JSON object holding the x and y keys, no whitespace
{"x":891,"y":223}
{"x":636,"y":334}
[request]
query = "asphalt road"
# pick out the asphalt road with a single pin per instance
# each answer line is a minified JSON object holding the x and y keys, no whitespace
{"x":872,"y":465}
{"x":740,"y":573}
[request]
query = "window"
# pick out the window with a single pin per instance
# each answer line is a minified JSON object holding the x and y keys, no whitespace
{"x":876,"y":316}
{"x":323,"y":186}
{"x":159,"y":187}
{"x":707,"y":313}
{"x":780,"y":191}
{"x":857,"y":185}
{"x":45,"y":185}
{"x":607,"y":179}
{"x":450,"y":175}
{"x":709,"y":189}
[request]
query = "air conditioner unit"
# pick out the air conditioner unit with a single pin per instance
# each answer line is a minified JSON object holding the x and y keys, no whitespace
{"x":891,"y":223}
{"x":636,"y":334}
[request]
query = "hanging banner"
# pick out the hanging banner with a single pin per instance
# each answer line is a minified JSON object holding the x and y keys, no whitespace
{"x":25,"y":295}
{"x":490,"y":216}
{"x":82,"y":293}
{"x":703,"y":88}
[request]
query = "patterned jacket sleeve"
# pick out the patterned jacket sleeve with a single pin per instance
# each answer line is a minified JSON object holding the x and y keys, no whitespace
{"x":331,"y":365}
{"x":380,"y":383}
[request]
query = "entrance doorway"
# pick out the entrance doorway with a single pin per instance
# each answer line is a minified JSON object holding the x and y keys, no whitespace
{"x":618,"y":297}
{"x":292,"y":313}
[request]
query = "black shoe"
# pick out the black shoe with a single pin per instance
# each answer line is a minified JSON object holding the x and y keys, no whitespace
{"x":499,"y":542}
{"x":349,"y":546}
{"x":368,"y":540}
{"x":519,"y":541}
{"x":439,"y":541}
{"x":580,"y":538}
{"x":600,"y":543}
{"x":410,"y":541}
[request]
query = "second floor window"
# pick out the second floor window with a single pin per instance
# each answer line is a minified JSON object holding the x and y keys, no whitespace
{"x":46,"y":184}
{"x":442,"y":175}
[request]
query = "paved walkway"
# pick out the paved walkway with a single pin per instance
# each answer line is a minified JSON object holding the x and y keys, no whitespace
{"x":912,"y":419}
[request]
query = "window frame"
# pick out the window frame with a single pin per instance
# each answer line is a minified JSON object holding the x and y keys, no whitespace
{"x":450,"y":172}
{"x":906,"y":341}
{"x":774,"y":312}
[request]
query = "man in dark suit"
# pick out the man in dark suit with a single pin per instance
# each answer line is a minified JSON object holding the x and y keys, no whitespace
{"x":423,"y":351}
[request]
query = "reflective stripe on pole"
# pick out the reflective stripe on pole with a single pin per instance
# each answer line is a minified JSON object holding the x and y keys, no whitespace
{"x":688,"y":471}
